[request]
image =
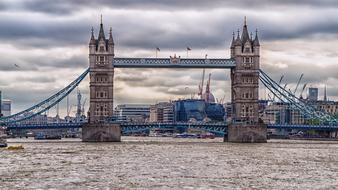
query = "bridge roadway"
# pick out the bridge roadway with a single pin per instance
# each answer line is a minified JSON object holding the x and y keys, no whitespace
{"x":218,"y":128}
{"x":173,"y":62}
{"x":134,"y":127}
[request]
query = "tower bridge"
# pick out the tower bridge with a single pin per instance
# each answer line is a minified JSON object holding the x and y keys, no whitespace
{"x":243,"y":64}
{"x":245,"y":72}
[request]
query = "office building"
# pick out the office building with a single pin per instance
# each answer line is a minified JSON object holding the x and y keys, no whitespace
{"x":132,"y":112}
{"x":313,"y":94}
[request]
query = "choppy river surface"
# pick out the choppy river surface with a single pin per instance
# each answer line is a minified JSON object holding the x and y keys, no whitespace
{"x":168,"y":163}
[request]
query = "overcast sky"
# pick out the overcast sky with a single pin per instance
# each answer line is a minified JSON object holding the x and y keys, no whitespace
{"x":48,"y":40}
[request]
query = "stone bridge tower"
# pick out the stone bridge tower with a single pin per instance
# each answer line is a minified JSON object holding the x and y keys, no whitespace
{"x":101,"y":70}
{"x":245,"y":89}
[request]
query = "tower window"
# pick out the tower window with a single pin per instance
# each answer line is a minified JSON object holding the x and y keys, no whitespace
{"x":101,"y":48}
{"x":247,"y":60}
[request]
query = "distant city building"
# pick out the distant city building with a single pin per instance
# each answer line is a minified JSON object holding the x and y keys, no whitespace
{"x":38,"y":119}
{"x":191,"y":110}
{"x":168,"y":113}
{"x":330,"y":107}
{"x":132,"y":112}
{"x":162,"y":112}
{"x":6,"y":107}
{"x":281,"y":113}
{"x":215,"y":112}
{"x":313,"y":94}
{"x":56,"y":119}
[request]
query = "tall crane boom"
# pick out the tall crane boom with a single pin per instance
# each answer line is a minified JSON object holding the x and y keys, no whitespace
{"x":200,"y":87}
{"x":280,"y":81}
{"x":301,"y":93}
{"x":300,"y":78}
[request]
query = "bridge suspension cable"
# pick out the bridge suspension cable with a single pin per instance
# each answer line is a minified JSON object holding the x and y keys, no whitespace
{"x":288,"y":97}
{"x":45,"y":104}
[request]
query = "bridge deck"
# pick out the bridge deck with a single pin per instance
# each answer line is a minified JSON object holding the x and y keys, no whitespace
{"x":173,"y":63}
{"x":131,"y":126}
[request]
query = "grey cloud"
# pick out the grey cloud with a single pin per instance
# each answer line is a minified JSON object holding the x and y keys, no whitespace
{"x":314,"y":76}
{"x":2,"y":6}
{"x":77,"y":61}
{"x":132,"y":99}
{"x":43,"y":33}
{"x":24,"y":63}
{"x":135,"y":32}
{"x":177,"y":91}
{"x":70,"y":6}
{"x":10,"y":66}
{"x":292,"y":73}
{"x":39,"y":79}
{"x":165,"y":82}
{"x":160,"y":78}
{"x":130,"y":78}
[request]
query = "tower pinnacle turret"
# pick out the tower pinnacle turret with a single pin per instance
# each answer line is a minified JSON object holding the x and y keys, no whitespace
{"x":233,"y":40}
{"x":92,"y":38}
{"x":256,"y":41}
{"x":101,"y":33}
{"x":245,"y":33}
{"x":111,"y":40}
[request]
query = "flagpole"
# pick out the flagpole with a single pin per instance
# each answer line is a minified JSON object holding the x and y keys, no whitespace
{"x":157,"y":50}
{"x":188,"y":49}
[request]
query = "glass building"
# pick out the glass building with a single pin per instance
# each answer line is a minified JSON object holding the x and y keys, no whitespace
{"x":191,"y":110}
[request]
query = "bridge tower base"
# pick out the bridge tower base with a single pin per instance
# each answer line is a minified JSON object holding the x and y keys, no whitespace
{"x":99,"y":132}
{"x":245,"y":133}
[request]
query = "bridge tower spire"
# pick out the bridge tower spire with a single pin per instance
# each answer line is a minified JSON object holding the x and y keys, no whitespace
{"x":245,"y":126}
{"x":101,"y":104}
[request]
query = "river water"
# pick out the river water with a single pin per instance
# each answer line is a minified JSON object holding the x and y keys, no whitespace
{"x":168,"y":163}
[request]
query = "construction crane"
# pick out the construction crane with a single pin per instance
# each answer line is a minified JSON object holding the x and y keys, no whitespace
{"x":221,"y":101}
{"x":83,"y":107}
{"x":280,"y":81}
{"x":207,"y":89}
{"x":200,"y":86}
{"x":301,"y":93}
{"x":286,"y":84}
{"x":300,"y":78}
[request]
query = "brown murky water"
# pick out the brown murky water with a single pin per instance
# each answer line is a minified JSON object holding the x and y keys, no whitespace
{"x":167,"y":163}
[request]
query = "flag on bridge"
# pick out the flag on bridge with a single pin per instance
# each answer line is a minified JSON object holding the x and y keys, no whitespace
{"x":157,"y":50}
{"x":188,"y":49}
